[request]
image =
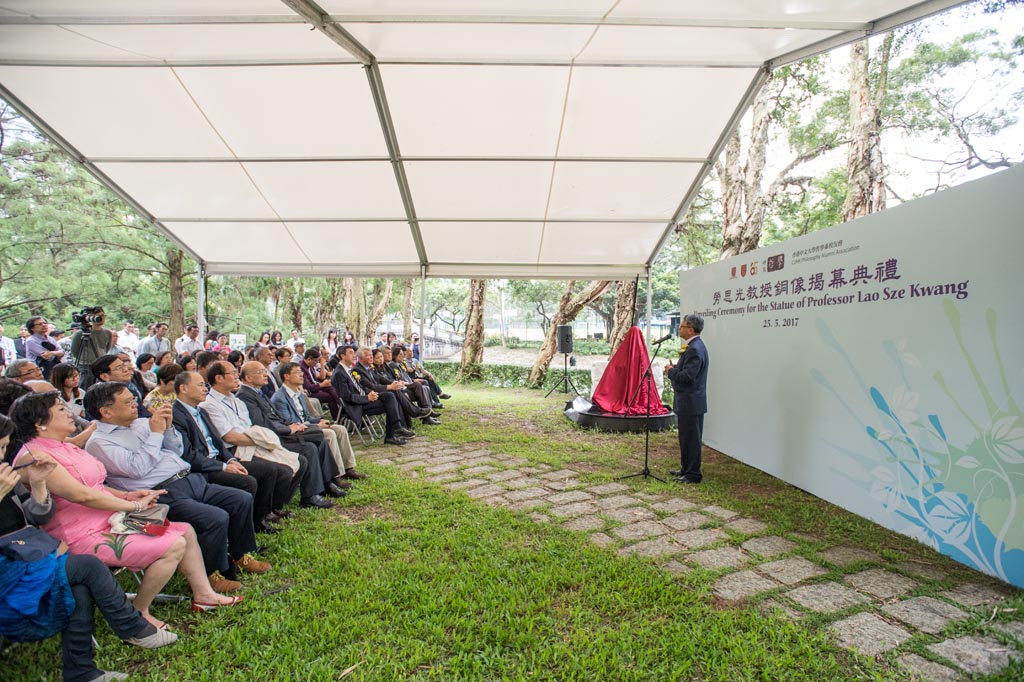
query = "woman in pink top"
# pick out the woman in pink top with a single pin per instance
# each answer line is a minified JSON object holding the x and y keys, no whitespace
{"x":84,"y":506}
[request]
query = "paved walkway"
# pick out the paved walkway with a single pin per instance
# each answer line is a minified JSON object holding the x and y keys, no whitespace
{"x":879,"y":606}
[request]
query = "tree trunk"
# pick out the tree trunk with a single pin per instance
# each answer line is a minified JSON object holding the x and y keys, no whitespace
{"x":176,"y":323}
{"x":407,"y":287}
{"x":354,"y":302}
{"x":865,"y":172}
{"x":625,"y":313}
{"x":473,"y":347}
{"x":293,"y":305}
{"x":568,"y":308}
{"x":382,"y":296}
{"x":325,"y":309}
{"x":743,"y":198}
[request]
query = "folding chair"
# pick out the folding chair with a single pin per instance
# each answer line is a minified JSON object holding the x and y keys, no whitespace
{"x":162,"y":598}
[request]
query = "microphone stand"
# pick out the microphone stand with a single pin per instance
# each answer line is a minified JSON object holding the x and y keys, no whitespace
{"x":646,"y":471}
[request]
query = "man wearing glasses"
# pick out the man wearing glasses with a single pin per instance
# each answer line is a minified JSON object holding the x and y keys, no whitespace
{"x":689,"y":377}
{"x":40,"y":347}
{"x":23,"y":370}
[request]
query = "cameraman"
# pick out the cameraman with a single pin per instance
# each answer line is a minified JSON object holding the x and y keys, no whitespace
{"x":86,"y":350}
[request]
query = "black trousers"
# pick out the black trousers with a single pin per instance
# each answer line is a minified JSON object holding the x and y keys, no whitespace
{"x":221,"y":517}
{"x":387,"y":404}
{"x":691,"y":430}
{"x":265,"y":481}
{"x":93,"y":584}
{"x":312,"y":481}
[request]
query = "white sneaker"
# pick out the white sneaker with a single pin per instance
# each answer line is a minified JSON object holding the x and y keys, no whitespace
{"x":154,"y":641}
{"x":110,"y":677}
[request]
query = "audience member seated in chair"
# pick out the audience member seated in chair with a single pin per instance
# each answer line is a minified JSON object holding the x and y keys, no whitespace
{"x":114,"y":369}
{"x":367,"y":377}
{"x":84,"y":505}
{"x":321,"y":468}
{"x":388,"y":372}
{"x":24,"y":614}
{"x":359,"y":402}
{"x":290,"y":403}
{"x":265,"y":356}
{"x":141,"y":454}
{"x":223,"y":420}
{"x":316,"y":382}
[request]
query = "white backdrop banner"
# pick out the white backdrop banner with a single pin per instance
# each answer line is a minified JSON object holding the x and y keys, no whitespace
{"x":877,"y":364}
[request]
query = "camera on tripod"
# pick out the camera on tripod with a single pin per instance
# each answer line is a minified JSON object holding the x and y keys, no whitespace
{"x":88,"y":316}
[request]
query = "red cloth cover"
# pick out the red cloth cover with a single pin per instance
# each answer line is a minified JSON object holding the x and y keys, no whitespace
{"x":623,"y":375}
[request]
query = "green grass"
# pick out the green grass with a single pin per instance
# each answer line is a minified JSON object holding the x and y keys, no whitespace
{"x":407,"y":581}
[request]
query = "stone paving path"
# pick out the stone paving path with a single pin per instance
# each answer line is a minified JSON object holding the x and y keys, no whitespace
{"x":874,"y":606}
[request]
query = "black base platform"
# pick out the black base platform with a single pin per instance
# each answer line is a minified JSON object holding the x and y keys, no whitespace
{"x":591,"y":416}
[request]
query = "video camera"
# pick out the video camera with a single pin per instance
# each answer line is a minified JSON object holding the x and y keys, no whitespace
{"x":88,"y":316}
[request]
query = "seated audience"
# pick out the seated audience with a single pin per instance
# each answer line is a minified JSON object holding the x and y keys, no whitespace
{"x":265,"y":356}
{"x":23,"y":370}
{"x":163,"y":394}
{"x":144,"y":454}
{"x":236,"y":358}
{"x":186,"y":361}
{"x":65,"y":379}
{"x":146,"y":364}
{"x":119,"y":369}
{"x":359,"y":402}
{"x":316,"y":383}
{"x":84,"y":505}
{"x":363,"y":370}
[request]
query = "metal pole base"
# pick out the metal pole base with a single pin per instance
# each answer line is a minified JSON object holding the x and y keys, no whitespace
{"x":645,"y":472}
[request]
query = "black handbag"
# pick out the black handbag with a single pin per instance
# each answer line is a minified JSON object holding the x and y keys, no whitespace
{"x":28,"y":544}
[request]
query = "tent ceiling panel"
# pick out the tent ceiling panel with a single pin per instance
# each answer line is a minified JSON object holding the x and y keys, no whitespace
{"x":117,"y":112}
{"x":248,"y":242}
{"x":694,"y":45}
{"x":491,"y":242}
{"x":594,"y":9}
{"x":204,"y":191}
{"x":588,"y":243}
{"x":313,"y":190}
{"x":779,"y":12}
{"x":649,"y":112}
{"x":341,"y":242}
{"x":476,"y":110}
{"x":479,"y":190}
{"x":57,"y":44}
{"x":146,"y":8}
{"x":320,"y":110}
{"x":625,"y":191}
{"x":470,"y":42}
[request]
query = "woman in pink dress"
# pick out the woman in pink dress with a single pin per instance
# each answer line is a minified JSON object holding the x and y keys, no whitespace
{"x":84,"y":506}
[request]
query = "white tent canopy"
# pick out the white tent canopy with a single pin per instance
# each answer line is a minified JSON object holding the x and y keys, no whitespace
{"x":505,"y":138}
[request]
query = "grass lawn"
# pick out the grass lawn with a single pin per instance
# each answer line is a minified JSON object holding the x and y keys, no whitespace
{"x":405,"y":580}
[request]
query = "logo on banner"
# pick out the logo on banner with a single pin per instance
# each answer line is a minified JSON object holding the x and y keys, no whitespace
{"x":776,"y":262}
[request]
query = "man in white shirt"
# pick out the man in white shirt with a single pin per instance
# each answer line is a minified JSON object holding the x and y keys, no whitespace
{"x":189,"y":341}
{"x":128,"y":339}
{"x":290,"y":401}
{"x":7,"y":348}
{"x":294,"y":340}
{"x":157,"y":343}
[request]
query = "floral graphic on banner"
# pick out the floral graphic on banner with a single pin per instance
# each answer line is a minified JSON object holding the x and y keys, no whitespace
{"x":956,"y":492}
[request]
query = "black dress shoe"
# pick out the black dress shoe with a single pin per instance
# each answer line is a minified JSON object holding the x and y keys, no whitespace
{"x":437,"y":407}
{"x":316,"y":502}
{"x":394,"y":440}
{"x":431,"y":421}
{"x":335,"y":491}
{"x":405,"y":433}
{"x":684,"y":479}
{"x":263,"y":527}
{"x":676,"y":472}
{"x":422,"y":412}
{"x":444,"y":396}
{"x":282,"y":513}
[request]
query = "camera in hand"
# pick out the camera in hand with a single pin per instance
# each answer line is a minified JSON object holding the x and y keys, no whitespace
{"x":88,"y":316}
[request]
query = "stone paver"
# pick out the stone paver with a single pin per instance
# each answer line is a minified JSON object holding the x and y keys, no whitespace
{"x":483,"y":491}
{"x":440,"y":468}
{"x":630,"y":514}
{"x":792,"y":570}
{"x":561,"y":474}
{"x":601,"y":540}
{"x":412,"y":457}
{"x":608,"y":488}
{"x":881,"y":583}
{"x":769,"y":546}
{"x":443,"y":477}
{"x":571,"y":496}
{"x":686,"y":521}
{"x":538,"y":517}
{"x":657,"y":547}
{"x":504,"y":475}
{"x":466,"y":483}
{"x":574,"y":509}
{"x":924,"y":613}
{"x":446,"y":459}
{"x":526,"y":505}
{"x":479,"y":469}
{"x":868,"y":634}
{"x":616,"y":501}
{"x":639,"y":530}
{"x":526,"y":494}
{"x":385,"y":461}
{"x":747,"y":526}
{"x":720,"y":512}
{"x":677,"y":567}
{"x":496,"y":501}
{"x":927,"y":671}
{"x":695,"y":539}
{"x":741,"y":585}
{"x":676,"y":504}
{"x":723,"y":557}
{"x":826,"y":597}
{"x":974,"y":594}
{"x":585,"y":523}
{"x":567,"y":484}
{"x":844,"y":556}
{"x":923,"y":570}
{"x":974,"y":654}
{"x":1014,"y":629}
{"x":517,"y":483}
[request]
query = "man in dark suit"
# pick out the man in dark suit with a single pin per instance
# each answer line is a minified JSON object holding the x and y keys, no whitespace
{"x":368,"y":379}
{"x":689,"y":377}
{"x":262,"y":413}
{"x":359,"y":402}
{"x":265,"y":356}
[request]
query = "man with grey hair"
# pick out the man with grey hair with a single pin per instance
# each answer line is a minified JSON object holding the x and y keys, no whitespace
{"x":689,"y":377}
{"x":23,"y":370}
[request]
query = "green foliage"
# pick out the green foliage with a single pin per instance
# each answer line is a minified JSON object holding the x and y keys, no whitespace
{"x":503,"y":376}
{"x":812,"y":208}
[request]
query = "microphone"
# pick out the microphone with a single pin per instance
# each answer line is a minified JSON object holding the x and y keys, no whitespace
{"x":662,"y":339}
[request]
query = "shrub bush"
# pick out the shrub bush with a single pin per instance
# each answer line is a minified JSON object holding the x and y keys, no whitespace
{"x":507,"y":376}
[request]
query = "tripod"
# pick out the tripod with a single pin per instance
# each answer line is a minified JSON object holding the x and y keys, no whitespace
{"x":646,"y":471}
{"x":565,"y":382}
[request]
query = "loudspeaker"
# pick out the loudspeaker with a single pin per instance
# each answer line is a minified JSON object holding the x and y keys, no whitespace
{"x":565,"y":338}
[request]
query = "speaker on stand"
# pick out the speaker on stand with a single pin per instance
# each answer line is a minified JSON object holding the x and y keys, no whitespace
{"x":563,"y":336}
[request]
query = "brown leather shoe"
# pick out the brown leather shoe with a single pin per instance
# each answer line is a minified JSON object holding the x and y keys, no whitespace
{"x":221,"y":584}
{"x":250,"y":565}
{"x":340,"y":482}
{"x":353,"y":474}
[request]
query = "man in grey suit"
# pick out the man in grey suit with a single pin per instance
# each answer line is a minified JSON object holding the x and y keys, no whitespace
{"x":689,"y":377}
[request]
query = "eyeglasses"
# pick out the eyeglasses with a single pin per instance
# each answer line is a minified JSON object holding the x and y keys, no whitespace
{"x":35,"y":371}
